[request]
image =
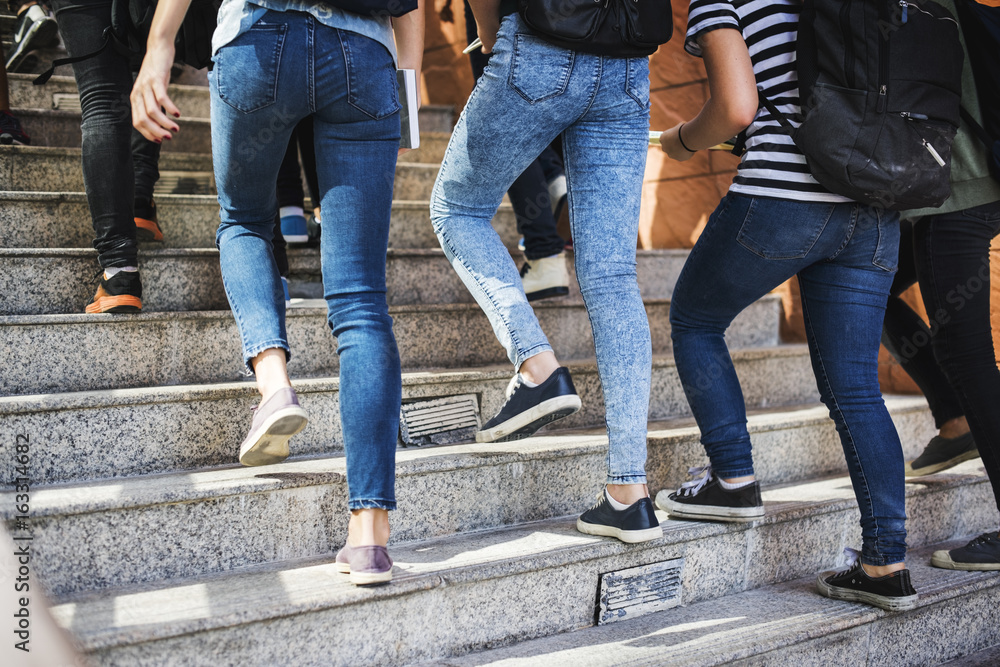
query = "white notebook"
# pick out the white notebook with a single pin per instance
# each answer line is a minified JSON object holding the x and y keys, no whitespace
{"x":409,"y":135}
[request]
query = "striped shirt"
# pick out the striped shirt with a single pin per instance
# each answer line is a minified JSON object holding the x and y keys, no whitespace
{"x":772,"y":166}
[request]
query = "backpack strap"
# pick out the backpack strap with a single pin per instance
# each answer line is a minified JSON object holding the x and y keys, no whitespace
{"x":47,"y":74}
{"x":977,"y":129}
{"x":773,"y":110}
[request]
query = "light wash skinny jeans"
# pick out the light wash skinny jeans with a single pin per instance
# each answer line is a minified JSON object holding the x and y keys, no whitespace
{"x":530,"y":93}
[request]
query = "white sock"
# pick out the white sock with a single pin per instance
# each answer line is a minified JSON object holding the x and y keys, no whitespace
{"x":732,"y":486}
{"x":110,"y":272}
{"x":286,"y":211}
{"x":614,"y":503}
{"x":529,"y":385}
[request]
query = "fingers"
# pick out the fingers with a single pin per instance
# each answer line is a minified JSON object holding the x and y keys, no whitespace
{"x":150,"y":106}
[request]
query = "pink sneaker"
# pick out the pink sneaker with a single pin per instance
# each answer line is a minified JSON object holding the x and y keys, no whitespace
{"x":275,"y":421}
{"x":367,"y":565}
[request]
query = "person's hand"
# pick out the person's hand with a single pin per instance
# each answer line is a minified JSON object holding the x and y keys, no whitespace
{"x":671,"y":145}
{"x":150,"y":102}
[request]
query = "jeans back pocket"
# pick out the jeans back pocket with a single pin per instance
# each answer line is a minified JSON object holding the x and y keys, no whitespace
{"x":371,"y":76}
{"x":538,"y":70}
{"x":246,"y":69}
{"x":783,"y":228}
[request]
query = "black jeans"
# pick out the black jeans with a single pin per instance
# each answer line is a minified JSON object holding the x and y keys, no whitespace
{"x":952,"y":360}
{"x":290,"y":176}
{"x":119,"y":165}
{"x":529,"y":194}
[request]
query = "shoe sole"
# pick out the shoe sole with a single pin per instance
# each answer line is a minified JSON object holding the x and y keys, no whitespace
{"x":43,"y":31}
{"x":889,"y":604}
{"x":271,"y":446}
{"x":943,"y":560}
{"x":147,"y":230}
{"x":125,"y":303}
{"x":547,"y":293}
{"x":709,"y":512}
{"x":370,"y":578}
{"x":627,"y":536}
{"x":938,"y":467}
{"x":527,"y":423}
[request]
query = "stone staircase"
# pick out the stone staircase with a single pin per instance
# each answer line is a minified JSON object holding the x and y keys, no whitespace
{"x":157,"y":549}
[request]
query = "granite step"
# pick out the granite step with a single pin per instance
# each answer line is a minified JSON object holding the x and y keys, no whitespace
{"x":59,"y":353}
{"x":62,"y":220}
{"x":62,"y":280}
{"x":788,"y":624}
{"x":28,"y":168}
{"x":450,"y":595}
{"x":60,"y":92}
{"x":48,"y":127}
{"x":79,"y":436}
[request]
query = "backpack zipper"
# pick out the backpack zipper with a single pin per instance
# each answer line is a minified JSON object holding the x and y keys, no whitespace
{"x":905,"y":5}
{"x":883,"y":61}
{"x":909,"y":116}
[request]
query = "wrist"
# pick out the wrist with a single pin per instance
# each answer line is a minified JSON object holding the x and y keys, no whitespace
{"x":680,"y":138}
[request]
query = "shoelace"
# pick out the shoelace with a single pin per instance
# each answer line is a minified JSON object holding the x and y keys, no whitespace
{"x":525,"y":269}
{"x":983,"y":539}
{"x":695,"y":485}
{"x":852,"y":556}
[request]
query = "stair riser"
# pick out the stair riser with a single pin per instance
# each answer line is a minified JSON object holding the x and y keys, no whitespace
{"x":434,"y":622}
{"x":63,"y":221}
{"x":925,"y":636}
{"x":193,"y":101}
{"x":80,"y":353}
{"x":64,"y":282}
{"x":34,"y":170}
{"x":203,"y":427}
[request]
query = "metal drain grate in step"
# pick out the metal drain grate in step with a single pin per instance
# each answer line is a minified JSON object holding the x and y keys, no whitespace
{"x":440,"y":421}
{"x":641,"y":590}
{"x":185,"y":183}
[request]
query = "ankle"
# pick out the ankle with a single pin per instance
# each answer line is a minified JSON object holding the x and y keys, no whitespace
{"x":538,"y":368}
{"x":954,"y":428}
{"x":876,"y":571}
{"x":627,"y":494}
{"x":368,"y":527}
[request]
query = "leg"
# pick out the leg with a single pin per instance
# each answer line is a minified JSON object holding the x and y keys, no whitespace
{"x":908,"y":338}
{"x":953,"y":266}
{"x":843,"y":302}
{"x":249,"y":135}
{"x":356,"y":150}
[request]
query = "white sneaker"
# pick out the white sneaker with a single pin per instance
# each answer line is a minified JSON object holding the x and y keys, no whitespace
{"x":546,"y":277}
{"x":557,"y":192}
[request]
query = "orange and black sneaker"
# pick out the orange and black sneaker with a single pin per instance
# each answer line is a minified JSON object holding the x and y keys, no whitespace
{"x":121,"y":293}
{"x":146,"y":226}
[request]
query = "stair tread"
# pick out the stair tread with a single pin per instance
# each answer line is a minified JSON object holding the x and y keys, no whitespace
{"x":219,"y":481}
{"x":732,"y":628}
{"x":284,"y":588}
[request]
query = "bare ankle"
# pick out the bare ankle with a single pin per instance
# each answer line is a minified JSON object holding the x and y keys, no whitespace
{"x":876,"y":571}
{"x":954,"y":428}
{"x":628,"y":494}
{"x":538,"y":368}
{"x":368,"y":526}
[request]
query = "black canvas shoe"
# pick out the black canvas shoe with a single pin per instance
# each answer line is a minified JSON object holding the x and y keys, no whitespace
{"x":941,"y":454}
{"x":529,"y":408}
{"x":705,"y":499}
{"x":35,"y":29}
{"x":637,"y":523}
{"x":893,"y":592}
{"x":981,"y":554}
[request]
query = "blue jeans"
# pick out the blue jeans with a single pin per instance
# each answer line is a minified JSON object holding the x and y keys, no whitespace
{"x":845,"y":257}
{"x":286,"y":67}
{"x":531,"y":92}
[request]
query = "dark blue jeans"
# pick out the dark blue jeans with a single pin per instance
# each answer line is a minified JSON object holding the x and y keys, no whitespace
{"x":119,"y":165}
{"x":260,"y":92}
{"x":953,"y":360}
{"x":845,"y":257}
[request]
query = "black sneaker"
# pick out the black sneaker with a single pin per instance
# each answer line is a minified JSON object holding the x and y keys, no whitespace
{"x":11,"y":131}
{"x":705,"y":499}
{"x":893,"y":592}
{"x":941,"y":454}
{"x":35,"y":29}
{"x":121,"y":293}
{"x":529,"y":408}
{"x":147,"y":226}
{"x":637,"y":523}
{"x":981,"y":554}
